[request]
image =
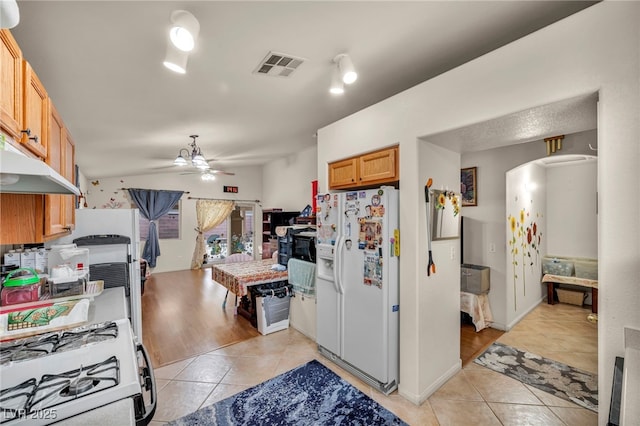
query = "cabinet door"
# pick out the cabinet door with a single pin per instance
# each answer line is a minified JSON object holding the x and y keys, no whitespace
{"x":10,"y":85}
{"x":379,"y":167}
{"x":343,"y":173}
{"x":69,"y":172}
{"x":54,"y":217}
{"x":35,"y":112}
{"x":22,"y":217}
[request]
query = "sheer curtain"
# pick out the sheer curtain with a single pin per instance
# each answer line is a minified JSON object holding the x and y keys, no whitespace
{"x":153,"y":204}
{"x":209,"y":214}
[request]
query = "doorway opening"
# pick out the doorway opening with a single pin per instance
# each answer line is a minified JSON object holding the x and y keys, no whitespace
{"x":233,"y":236}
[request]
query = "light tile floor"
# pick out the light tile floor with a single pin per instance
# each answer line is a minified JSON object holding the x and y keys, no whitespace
{"x":474,"y":396}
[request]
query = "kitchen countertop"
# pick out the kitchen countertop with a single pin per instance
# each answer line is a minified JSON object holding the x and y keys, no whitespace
{"x":109,"y":306}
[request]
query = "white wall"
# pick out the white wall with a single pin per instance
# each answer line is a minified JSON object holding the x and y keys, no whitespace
{"x":525,"y":210}
{"x":484,"y":224}
{"x":176,"y":254}
{"x":438,"y":296}
{"x":514,"y":78}
{"x":572,"y":222}
{"x":286,"y":182}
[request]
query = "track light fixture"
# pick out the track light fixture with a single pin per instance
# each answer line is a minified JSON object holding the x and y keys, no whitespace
{"x":175,"y":59}
{"x":337,"y":86}
{"x":184,"y":30}
{"x":182,"y":39}
{"x":345,"y":68}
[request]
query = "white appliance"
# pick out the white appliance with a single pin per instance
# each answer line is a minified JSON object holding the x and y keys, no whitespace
{"x":61,"y":375}
{"x":357,"y":292}
{"x":114,"y":254}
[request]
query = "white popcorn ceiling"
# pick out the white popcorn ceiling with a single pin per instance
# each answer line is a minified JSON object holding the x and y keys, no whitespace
{"x":560,"y":118}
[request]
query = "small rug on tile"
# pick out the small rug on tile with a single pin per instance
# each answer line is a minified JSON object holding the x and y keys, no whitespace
{"x":309,"y":394}
{"x":561,"y":380}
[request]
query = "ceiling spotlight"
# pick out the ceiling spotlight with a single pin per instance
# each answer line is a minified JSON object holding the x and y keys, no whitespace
{"x":176,"y":60}
{"x":346,"y":69}
{"x":184,"y":30}
{"x":337,"y":86}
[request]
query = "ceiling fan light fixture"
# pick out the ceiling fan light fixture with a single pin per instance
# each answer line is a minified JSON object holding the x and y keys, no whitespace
{"x":180,"y":160}
{"x":184,"y":30}
{"x":208,"y":177}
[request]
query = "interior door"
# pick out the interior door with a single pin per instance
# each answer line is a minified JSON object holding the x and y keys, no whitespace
{"x":365,"y":292}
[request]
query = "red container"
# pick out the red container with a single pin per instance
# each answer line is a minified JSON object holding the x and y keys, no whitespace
{"x":22,"y":294}
{"x":314,"y":192}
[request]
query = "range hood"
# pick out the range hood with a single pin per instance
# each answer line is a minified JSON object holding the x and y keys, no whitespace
{"x":20,"y":174}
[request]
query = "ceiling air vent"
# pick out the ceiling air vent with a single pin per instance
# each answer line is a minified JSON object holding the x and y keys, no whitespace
{"x":278,"y":65}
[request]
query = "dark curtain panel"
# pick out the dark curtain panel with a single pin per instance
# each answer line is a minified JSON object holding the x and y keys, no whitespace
{"x":153,"y":205}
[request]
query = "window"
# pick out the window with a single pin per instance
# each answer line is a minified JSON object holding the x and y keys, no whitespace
{"x":168,"y":225}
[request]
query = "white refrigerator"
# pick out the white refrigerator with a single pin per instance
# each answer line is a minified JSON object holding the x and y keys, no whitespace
{"x":357,"y":291}
{"x":109,"y":257}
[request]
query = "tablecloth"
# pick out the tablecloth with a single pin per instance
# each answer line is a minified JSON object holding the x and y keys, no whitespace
{"x":477,"y":306}
{"x":236,"y":277}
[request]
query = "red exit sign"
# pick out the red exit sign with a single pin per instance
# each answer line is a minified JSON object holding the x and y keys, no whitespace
{"x":232,"y":189}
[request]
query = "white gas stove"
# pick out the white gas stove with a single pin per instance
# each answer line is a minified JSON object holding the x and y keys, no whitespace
{"x":55,"y":376}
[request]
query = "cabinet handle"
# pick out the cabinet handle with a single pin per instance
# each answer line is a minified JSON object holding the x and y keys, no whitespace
{"x":66,"y":228}
{"x":34,"y":138}
{"x":27,"y":131}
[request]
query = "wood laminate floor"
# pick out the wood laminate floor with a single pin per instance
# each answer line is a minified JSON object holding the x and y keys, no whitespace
{"x":183,"y":316}
{"x":473,"y":343}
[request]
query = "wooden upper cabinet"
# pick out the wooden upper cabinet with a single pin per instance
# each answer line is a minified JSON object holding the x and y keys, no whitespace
{"x":343,"y":174}
{"x":366,"y":170}
{"x":69,"y":172}
{"x":59,"y":209}
{"x":35,"y":112}
{"x":379,"y":166}
{"x":10,"y":85}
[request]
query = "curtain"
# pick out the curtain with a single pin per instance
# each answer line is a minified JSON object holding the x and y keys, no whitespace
{"x":153,"y":205}
{"x":209,"y":214}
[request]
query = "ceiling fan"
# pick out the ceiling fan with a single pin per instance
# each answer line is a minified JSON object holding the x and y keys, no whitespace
{"x":197,"y":160}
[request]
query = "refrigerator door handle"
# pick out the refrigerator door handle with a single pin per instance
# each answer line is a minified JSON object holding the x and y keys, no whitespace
{"x":338,"y":262}
{"x":336,"y":273}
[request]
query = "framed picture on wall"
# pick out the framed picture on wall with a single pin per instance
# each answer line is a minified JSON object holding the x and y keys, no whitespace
{"x":469,"y":186}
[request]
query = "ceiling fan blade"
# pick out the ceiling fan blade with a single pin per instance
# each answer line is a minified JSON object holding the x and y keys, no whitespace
{"x":221,"y":172}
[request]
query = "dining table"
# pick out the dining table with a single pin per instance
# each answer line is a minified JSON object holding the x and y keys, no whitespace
{"x":238,"y":277}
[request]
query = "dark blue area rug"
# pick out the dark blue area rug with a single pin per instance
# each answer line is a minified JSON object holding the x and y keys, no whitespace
{"x":307,"y":395}
{"x":556,"y":378}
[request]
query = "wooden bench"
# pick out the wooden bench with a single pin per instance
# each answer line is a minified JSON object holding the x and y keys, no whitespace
{"x":553,"y":281}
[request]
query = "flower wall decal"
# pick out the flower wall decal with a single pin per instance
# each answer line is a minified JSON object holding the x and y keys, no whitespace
{"x":525,"y":239}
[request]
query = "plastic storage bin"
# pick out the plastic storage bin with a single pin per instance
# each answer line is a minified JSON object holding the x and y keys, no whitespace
{"x":474,"y":279}
{"x":272,"y":306}
{"x":557,"y":266}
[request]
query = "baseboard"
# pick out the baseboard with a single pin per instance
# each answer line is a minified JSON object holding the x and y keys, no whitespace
{"x":524,"y":314}
{"x":418,"y":399}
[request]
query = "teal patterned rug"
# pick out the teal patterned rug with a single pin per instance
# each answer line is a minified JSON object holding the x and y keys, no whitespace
{"x":307,"y":395}
{"x":561,"y":380}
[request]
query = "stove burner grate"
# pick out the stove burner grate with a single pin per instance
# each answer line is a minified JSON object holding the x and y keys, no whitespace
{"x":55,"y":389}
{"x":14,"y":400}
{"x":39,"y":346}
